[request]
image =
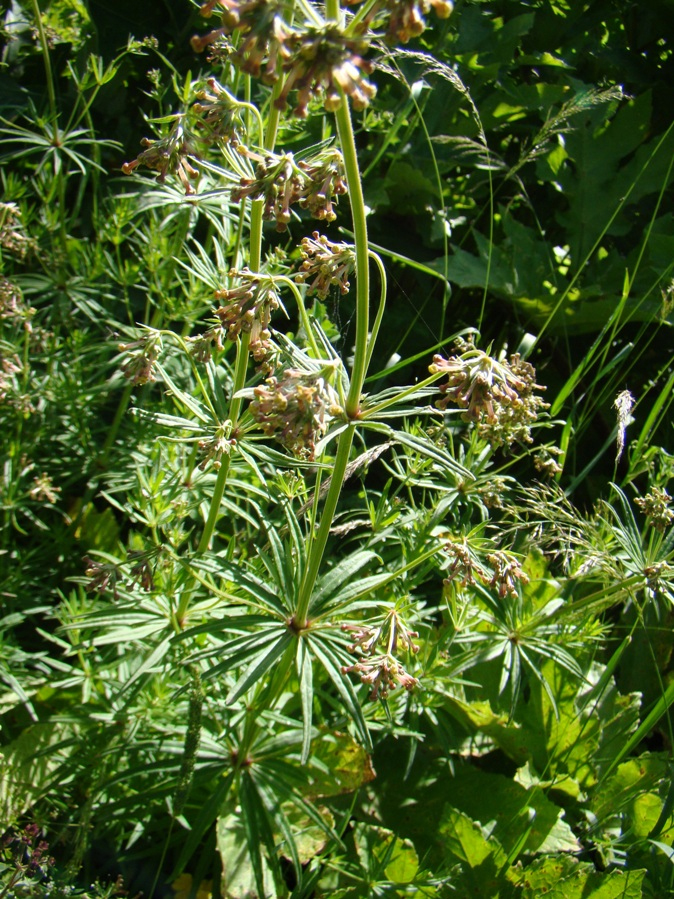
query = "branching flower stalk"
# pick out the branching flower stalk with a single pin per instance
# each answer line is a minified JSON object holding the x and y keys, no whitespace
{"x":243,"y":343}
{"x":362,"y":350}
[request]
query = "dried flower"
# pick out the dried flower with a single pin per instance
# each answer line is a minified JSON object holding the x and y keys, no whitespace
{"x":503,"y":574}
{"x":296,"y":409}
{"x":141,"y":571}
{"x":323,"y":60}
{"x":497,"y":394}
{"x":12,"y":305}
{"x":12,"y":236}
{"x":8,"y":384}
{"x":464,"y":565}
{"x":545,"y":460}
{"x":404,"y":19}
{"x":325,"y":264}
{"x":655,"y":505}
{"x":102,"y":575}
{"x":201,"y":346}
{"x":278,"y":181}
{"x":324,"y":175}
{"x":493,"y":492}
{"x":168,"y":155}
{"x":506,"y":573}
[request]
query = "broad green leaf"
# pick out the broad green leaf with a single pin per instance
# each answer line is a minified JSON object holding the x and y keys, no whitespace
{"x":385,"y":855}
{"x":238,"y":876}
{"x":511,"y":811}
{"x":478,"y":716}
{"x":633,"y":792}
{"x":340,"y":765}
{"x":565,"y":878}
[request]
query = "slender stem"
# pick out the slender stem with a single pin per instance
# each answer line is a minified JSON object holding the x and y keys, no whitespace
{"x":240,"y":368}
{"x":380,"y":310}
{"x":46,"y":59}
{"x":348,"y":147}
{"x":243,"y":344}
{"x":304,"y":318}
{"x":362,"y":351}
{"x":321,"y":537}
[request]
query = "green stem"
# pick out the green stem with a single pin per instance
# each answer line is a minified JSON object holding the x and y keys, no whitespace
{"x":46,"y":59}
{"x":240,"y":368}
{"x":380,"y":310}
{"x":348,"y":148}
{"x":362,"y":351}
{"x":304,"y":318}
{"x":242,"y":346}
{"x":321,"y":537}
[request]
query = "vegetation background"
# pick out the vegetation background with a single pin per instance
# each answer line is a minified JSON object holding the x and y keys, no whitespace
{"x":172,"y":712}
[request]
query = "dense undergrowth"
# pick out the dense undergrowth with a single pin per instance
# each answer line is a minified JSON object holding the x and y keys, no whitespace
{"x":337,"y":551}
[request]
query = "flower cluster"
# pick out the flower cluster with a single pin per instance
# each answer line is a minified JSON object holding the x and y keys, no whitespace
{"x":102,"y":575}
{"x":318,"y":61}
{"x":406,"y":18}
{"x":219,"y":115}
{"x":325,"y":264}
{"x":323,"y":60}
{"x":496,"y":394}
{"x":502,"y":575}
{"x":27,"y":853}
{"x":14,"y":377}
{"x":43,"y":489}
{"x":12,"y":236}
{"x":403,"y":19}
{"x":12,"y":305}
{"x":545,"y":460}
{"x":383,"y":672}
{"x":296,"y":409}
{"x":655,"y":505}
{"x":142,"y":355}
{"x":202,"y":346}
{"x":248,"y":307}
{"x":221,"y":444}
{"x":168,"y":156}
{"x":282,"y":181}
{"x":141,"y":571}
{"x":265,"y":35}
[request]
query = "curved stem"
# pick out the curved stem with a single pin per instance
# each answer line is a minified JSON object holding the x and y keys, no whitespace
{"x":380,"y":309}
{"x":302,"y":309}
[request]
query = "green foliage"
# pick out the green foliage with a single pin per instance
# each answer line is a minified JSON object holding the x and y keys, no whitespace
{"x":284,"y":614}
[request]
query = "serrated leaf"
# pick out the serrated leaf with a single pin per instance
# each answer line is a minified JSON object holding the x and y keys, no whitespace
{"x":565,"y":878}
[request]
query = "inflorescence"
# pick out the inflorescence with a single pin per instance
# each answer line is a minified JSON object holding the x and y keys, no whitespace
{"x":497,"y":395}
